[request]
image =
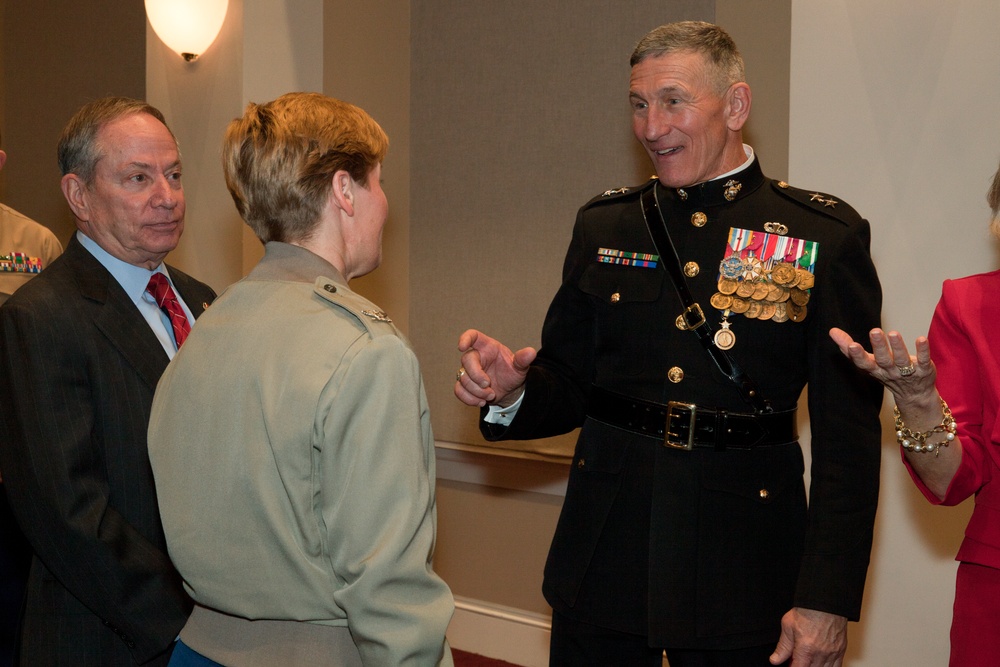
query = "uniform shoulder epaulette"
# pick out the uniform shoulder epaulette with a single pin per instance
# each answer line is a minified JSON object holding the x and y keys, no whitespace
{"x":619,"y":193}
{"x":375,"y":321}
{"x":820,"y":202}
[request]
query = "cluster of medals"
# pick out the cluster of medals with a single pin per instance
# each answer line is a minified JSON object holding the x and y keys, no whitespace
{"x":747,"y":288}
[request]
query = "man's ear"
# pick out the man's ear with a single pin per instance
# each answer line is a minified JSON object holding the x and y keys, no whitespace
{"x":342,"y":192}
{"x":738,"y":106}
{"x":3,"y":159}
{"x":77,"y":195}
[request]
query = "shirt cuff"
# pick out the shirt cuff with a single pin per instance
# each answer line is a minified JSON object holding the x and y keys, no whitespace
{"x":503,"y":416}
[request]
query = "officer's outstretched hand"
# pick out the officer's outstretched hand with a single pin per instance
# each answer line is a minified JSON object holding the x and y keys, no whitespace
{"x":490,"y":374}
{"x":811,"y":639}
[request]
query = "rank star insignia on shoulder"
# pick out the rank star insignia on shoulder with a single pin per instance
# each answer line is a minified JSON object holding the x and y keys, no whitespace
{"x":826,"y":201}
{"x":819,"y":202}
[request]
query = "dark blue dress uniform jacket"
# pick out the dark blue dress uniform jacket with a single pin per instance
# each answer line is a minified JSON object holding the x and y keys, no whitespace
{"x":707,"y":549}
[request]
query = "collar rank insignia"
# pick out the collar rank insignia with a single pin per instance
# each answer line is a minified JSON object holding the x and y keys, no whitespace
{"x":616,"y":191}
{"x":732,"y":189}
{"x":377,"y":315}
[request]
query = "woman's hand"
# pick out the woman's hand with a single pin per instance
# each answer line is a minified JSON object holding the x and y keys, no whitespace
{"x":909,"y":378}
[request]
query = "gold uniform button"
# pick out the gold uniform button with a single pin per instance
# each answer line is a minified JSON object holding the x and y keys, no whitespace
{"x":764,"y":494}
{"x":581,"y":463}
{"x":675,"y":374}
{"x":699,"y":219}
{"x":616,"y":297}
{"x":691,"y":269}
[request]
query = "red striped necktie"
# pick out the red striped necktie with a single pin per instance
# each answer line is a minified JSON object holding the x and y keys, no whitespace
{"x":159,"y":288}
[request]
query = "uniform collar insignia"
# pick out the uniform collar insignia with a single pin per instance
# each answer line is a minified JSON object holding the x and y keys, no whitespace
{"x":377,"y":315}
{"x":733,"y":188}
{"x":720,"y":191}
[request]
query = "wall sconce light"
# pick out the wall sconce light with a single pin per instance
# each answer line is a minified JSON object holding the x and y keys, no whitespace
{"x":187,"y":26}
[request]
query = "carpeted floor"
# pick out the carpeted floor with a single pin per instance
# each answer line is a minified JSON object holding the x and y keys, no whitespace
{"x":465,"y":659}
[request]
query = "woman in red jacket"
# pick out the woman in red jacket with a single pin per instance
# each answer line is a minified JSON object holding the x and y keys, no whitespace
{"x":946,"y":424}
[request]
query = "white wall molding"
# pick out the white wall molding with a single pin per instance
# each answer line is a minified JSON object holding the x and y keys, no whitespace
{"x":514,"y":470}
{"x":500,"y":632}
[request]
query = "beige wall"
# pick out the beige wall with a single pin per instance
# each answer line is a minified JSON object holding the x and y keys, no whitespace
{"x":57,"y":55}
{"x":894,"y":108}
{"x":367,"y":58}
{"x":763,"y":32}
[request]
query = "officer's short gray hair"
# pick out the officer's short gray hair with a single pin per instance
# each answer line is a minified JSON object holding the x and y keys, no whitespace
{"x":707,"y":39}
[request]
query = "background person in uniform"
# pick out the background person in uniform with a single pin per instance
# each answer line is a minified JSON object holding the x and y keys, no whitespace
{"x":290,"y":438}
{"x":710,"y":553}
{"x":946,"y":420}
{"x":26,"y":248}
{"x":81,"y":349}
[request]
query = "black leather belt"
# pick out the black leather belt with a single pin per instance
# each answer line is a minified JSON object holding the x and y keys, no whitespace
{"x":686,"y":426}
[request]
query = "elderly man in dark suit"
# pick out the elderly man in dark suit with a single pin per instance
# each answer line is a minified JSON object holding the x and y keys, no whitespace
{"x":81,"y":350}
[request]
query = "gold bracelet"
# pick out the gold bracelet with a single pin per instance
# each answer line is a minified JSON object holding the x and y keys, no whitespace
{"x":913,"y":441}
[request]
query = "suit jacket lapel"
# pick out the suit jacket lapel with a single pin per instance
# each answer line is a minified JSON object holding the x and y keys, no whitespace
{"x":196,"y":295}
{"x":116,"y":316}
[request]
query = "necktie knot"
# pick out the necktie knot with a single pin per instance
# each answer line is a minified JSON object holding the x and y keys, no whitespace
{"x":161,"y":291}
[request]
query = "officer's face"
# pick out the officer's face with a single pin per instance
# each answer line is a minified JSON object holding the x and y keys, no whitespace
{"x":688,"y":130}
{"x":134,"y":208}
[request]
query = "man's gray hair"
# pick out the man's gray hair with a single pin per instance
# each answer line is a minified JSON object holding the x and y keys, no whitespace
{"x":707,"y":39}
{"x":78,"y":150}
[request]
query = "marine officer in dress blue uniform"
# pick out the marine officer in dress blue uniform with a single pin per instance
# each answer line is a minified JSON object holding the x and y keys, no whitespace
{"x":693,"y":312}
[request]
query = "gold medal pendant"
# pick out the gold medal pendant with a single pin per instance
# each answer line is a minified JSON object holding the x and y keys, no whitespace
{"x":724,"y":337}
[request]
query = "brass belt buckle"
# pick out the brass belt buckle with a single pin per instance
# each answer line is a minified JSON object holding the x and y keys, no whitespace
{"x":672,"y":439}
{"x":693,"y":317}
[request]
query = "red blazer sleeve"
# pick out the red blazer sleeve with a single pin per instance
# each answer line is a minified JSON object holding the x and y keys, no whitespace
{"x":955,"y":334}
